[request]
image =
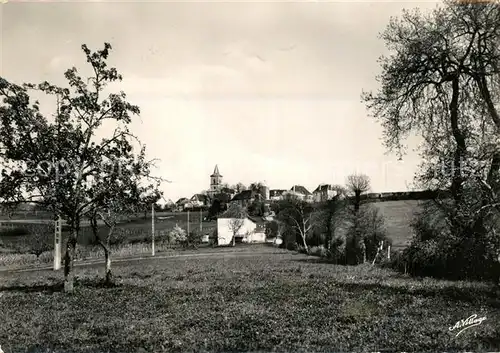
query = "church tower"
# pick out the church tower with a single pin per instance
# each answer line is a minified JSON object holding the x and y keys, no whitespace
{"x":215,"y":181}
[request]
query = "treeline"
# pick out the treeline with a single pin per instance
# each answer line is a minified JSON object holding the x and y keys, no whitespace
{"x":342,"y":230}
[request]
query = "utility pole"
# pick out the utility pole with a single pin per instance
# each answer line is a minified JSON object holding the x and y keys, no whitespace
{"x":57,"y":244}
{"x":58,"y":222}
{"x":153,"y":229}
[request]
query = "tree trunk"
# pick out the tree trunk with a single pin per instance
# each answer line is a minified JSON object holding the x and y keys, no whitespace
{"x":69,"y":259}
{"x":457,"y":178}
{"x":357,"y":200}
{"x":109,"y":275}
{"x":303,"y":235}
{"x":233,"y":241}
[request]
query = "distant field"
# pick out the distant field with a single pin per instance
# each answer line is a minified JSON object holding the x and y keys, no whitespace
{"x":136,"y":230}
{"x":398,"y":216}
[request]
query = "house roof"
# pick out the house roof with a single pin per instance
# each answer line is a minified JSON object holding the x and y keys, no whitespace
{"x":216,"y":172}
{"x":300,"y":189}
{"x":244,"y":195}
{"x":257,"y":220}
{"x":199,"y":197}
{"x":181,"y":201}
{"x":323,"y":187}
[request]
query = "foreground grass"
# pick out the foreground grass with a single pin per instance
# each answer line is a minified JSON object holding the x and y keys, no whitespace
{"x":270,"y":301}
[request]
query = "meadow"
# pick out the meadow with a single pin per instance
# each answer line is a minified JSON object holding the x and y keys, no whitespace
{"x":267,"y":300}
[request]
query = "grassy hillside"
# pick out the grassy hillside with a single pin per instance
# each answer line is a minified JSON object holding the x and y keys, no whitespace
{"x":398,"y":216}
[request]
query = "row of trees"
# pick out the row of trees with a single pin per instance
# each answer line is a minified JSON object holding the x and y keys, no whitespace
{"x":348,"y":231}
{"x":60,"y":163}
{"x":441,"y":80}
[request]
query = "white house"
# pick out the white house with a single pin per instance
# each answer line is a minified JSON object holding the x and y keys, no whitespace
{"x":249,"y":232}
{"x":299,"y":192}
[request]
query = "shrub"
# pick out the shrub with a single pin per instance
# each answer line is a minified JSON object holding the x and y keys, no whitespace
{"x":165,"y":237}
{"x":364,"y":234}
{"x":178,"y":234}
{"x":436,"y":251}
{"x":318,"y":251}
{"x":337,"y":251}
{"x":194,"y":239}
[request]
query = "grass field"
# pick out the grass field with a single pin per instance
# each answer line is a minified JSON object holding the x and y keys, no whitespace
{"x":271,"y":300}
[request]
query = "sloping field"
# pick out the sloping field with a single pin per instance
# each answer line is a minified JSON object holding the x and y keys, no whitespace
{"x":398,"y":216}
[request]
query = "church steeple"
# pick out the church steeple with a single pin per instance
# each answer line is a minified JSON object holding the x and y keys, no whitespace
{"x":216,"y":172}
{"x":215,"y":180}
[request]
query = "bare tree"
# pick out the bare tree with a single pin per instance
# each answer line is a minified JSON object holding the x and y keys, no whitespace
{"x":235,"y":225}
{"x":237,"y":215}
{"x":38,"y":240}
{"x":357,"y":184}
{"x":299,"y":215}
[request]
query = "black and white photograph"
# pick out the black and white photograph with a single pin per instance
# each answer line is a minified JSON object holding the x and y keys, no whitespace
{"x":249,"y":176}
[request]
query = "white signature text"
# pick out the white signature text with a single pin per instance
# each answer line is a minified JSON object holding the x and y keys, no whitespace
{"x":463,"y":325}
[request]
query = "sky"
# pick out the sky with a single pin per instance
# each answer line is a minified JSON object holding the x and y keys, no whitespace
{"x":269,"y":91}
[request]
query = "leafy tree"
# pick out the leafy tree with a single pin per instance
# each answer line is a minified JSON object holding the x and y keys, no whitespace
{"x":256,"y":208}
{"x":54,"y":162}
{"x":118,"y":195}
{"x":441,"y":81}
{"x":215,"y":209}
{"x":332,"y":216}
{"x":239,"y":187}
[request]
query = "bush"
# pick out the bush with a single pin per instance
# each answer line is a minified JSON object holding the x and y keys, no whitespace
{"x":318,"y":251}
{"x":165,"y":237}
{"x":178,"y":234}
{"x":436,"y":251}
{"x":194,"y":239}
{"x":337,"y":251}
{"x":364,"y":234}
